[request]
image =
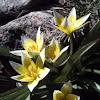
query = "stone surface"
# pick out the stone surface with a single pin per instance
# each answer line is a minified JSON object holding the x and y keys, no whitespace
{"x":10,"y":9}
{"x":27,"y":25}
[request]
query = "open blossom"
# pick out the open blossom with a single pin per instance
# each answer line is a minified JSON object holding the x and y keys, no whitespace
{"x":32,"y":48}
{"x":29,"y":71}
{"x":65,"y":93}
{"x":70,"y":24}
{"x":53,"y":51}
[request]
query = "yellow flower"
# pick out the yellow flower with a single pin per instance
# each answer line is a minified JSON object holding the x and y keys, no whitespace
{"x":32,"y":48}
{"x":29,"y":71}
{"x":65,"y":93}
{"x":70,"y":24}
{"x":53,"y":51}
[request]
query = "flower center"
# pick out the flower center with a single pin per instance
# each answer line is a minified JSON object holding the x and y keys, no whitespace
{"x":34,"y":73}
{"x":30,"y":45}
{"x":31,"y":48}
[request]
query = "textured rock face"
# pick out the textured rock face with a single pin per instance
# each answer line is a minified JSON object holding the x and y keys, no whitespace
{"x":10,"y":9}
{"x":11,"y":5}
{"x":28,"y":25}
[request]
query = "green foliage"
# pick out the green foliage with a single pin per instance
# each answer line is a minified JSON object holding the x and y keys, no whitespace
{"x":61,"y":59}
{"x":93,"y":34}
{"x":76,"y":57}
{"x":61,"y":79}
{"x":5,"y":52}
{"x":19,"y":93}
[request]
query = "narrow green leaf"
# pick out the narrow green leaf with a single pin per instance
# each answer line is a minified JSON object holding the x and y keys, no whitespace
{"x":23,"y":96}
{"x":28,"y":97}
{"x":43,"y":97}
{"x":49,"y":96}
{"x":83,"y":50}
{"x":61,"y":79}
{"x":14,"y":93}
{"x":98,"y":86}
{"x":11,"y":91}
{"x":5,"y":52}
{"x":78,"y":65}
{"x":42,"y":87}
{"x":76,"y":57}
{"x":93,"y":34}
{"x":93,"y":84}
{"x":91,"y":71}
{"x":61,"y":59}
{"x":52,"y":68}
{"x":40,"y":95}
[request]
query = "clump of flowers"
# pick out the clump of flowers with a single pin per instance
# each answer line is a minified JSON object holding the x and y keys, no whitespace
{"x":32,"y":48}
{"x":34,"y":72}
{"x":29,"y":71}
{"x":64,"y":66}
{"x":53,"y":51}
{"x":70,"y":24}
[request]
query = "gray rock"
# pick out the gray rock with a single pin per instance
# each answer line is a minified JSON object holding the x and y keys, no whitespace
{"x":10,"y":9}
{"x":27,"y":25}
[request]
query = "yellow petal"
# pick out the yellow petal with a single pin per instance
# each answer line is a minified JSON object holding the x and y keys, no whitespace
{"x":63,"y":50}
{"x":67,"y":88}
{"x":83,"y":25}
{"x":71,"y":97}
{"x":41,"y":59}
{"x":81,"y":20}
{"x":18,"y":67}
{"x":58,"y":18}
{"x":71,"y":29}
{"x":72,"y":15}
{"x":39,"y":39}
{"x":68,"y":29}
{"x":29,"y":44}
{"x":58,"y":95}
{"x":64,"y":23}
{"x":63,"y":29}
{"x":23,"y":78}
{"x":26,"y":61}
{"x":32,"y":85}
{"x":53,"y":49}
{"x":43,"y":72}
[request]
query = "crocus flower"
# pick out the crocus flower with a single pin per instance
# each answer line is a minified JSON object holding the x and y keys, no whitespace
{"x":70,"y":24}
{"x":29,"y":71}
{"x":53,"y":51}
{"x":32,"y":48}
{"x":65,"y":93}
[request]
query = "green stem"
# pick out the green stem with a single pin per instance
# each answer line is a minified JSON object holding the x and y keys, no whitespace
{"x":71,"y":44}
